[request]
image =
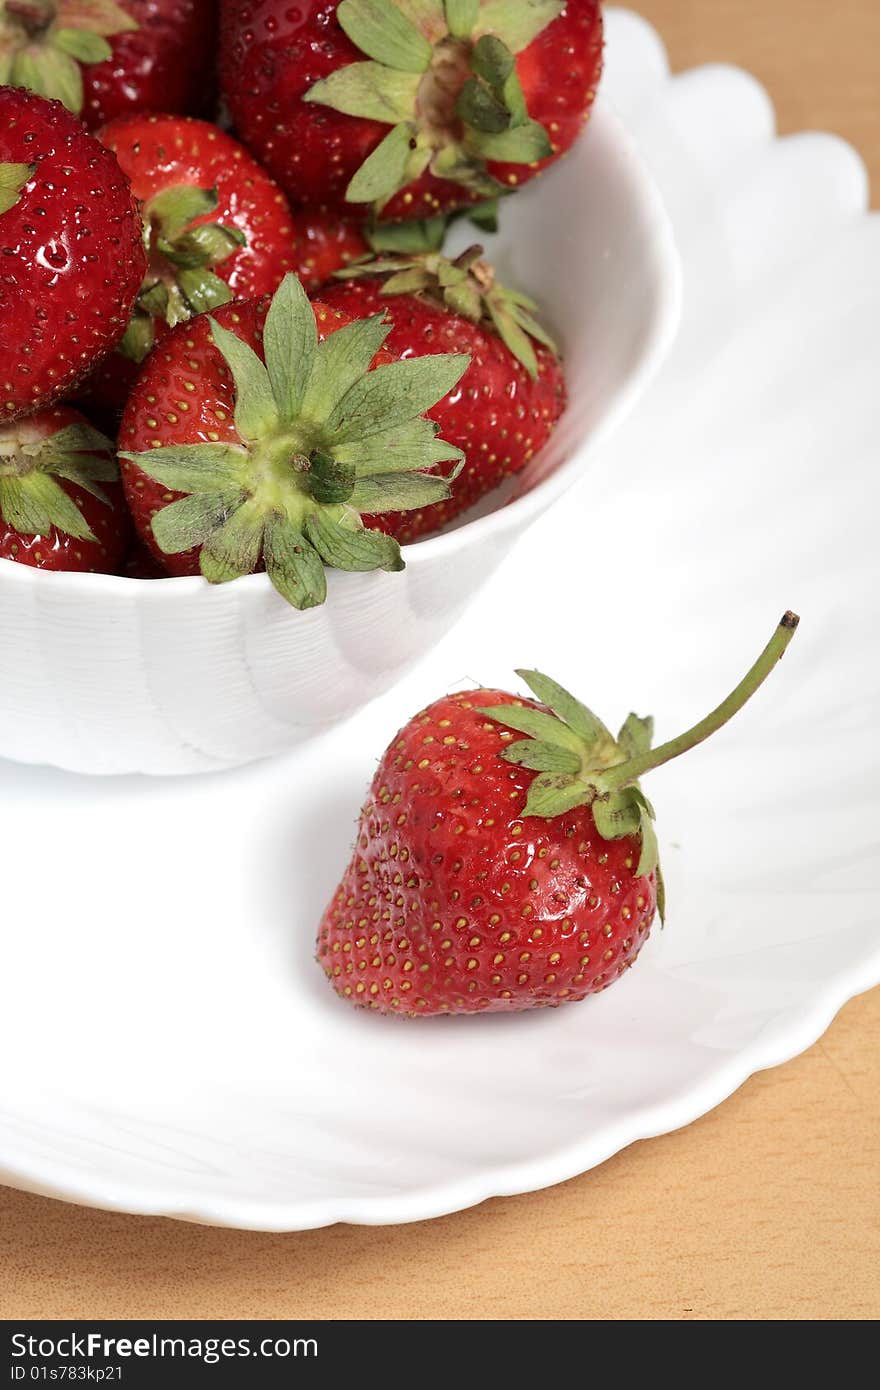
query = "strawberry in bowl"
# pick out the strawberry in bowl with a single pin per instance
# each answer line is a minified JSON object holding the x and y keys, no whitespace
{"x":103,"y":58}
{"x":513,"y":393}
{"x":189,"y":676}
{"x":405,"y":110}
{"x":259,"y":435}
{"x":218,"y":228}
{"x":61,"y":504}
{"x":71,"y":250}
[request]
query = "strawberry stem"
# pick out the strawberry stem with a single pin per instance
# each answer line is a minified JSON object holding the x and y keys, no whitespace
{"x":624,"y":774}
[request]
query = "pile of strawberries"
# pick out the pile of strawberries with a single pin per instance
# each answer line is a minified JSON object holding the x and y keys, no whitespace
{"x":173,"y":402}
{"x":171,"y":399}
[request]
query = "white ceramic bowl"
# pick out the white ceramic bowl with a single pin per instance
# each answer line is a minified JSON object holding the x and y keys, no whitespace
{"x":101,"y":674}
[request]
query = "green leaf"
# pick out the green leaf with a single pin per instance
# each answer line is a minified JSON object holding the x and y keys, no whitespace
{"x":138,"y":337}
{"x":542,"y":757}
{"x":455,"y":164}
{"x":203,"y":290}
{"x":552,"y":794}
{"x":515,"y":100}
{"x":650,"y":856}
{"x":341,"y":359}
{"x":410,"y":445}
{"x":208,"y":244}
{"x":329,"y":479}
{"x":80,"y":44}
{"x":153,"y":299}
{"x":517,"y":22}
{"x":379,"y":29}
{"x":35,"y":503}
{"x":194,"y":467}
{"x":256,"y":413}
{"x":190,"y":522}
{"x":616,"y":815}
{"x":290,"y":344}
{"x":408,"y":237}
{"x":81,"y":455}
{"x":13,"y":178}
{"x":513,"y":337}
{"x":485,"y":215}
{"x":385,"y":170}
{"x":173,"y":209}
{"x":356,"y":549}
{"x":370,"y":90}
{"x":661,"y":893}
{"x":481,"y":109}
{"x":635,"y":735}
{"x":427,"y":16}
{"x":536,"y":724}
{"x":586,"y":725}
{"x":533,"y":328}
{"x":97,"y":16}
{"x":234,"y":549}
{"x":50,"y":73}
{"x":394,"y":393}
{"x":522,"y":144}
{"x":292,"y":564}
{"x":399,"y":492}
{"x":465,"y":300}
{"x":492,"y":60}
{"x":407,"y":281}
{"x":461,"y":16}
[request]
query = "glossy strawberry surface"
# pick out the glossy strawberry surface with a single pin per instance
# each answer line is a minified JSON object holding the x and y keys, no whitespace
{"x":53,"y":549}
{"x":497,"y":414}
{"x":323,"y":243}
{"x":272,"y":53}
{"x":71,"y":254}
{"x":454,"y":902}
{"x":166,"y":64}
{"x":185,"y":395}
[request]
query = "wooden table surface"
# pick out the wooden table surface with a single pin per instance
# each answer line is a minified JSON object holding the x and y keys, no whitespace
{"x":767,"y":1208}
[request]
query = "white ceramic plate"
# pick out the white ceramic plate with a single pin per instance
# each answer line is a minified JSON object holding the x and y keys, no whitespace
{"x":170,"y":1045}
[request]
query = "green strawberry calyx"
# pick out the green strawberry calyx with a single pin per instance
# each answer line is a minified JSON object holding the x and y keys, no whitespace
{"x":322,"y":438}
{"x":182,"y":249}
{"x":442,"y":74}
{"x":466,"y":286}
{"x":580,"y":763}
{"x":13,"y":178}
{"x":32,"y":499}
{"x":43,"y":44}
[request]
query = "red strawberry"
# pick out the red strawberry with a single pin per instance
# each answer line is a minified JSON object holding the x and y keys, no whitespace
{"x":509,"y":400}
{"x":323,"y":244}
{"x":219,"y":229}
{"x":102,"y":58}
{"x":462,"y":101}
{"x":139,"y":563}
{"x":258,"y":435}
{"x":61,"y":506}
{"x":492,"y":873}
{"x":70,"y":248}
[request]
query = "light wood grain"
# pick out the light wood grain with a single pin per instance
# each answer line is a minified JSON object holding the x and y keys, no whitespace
{"x":767,"y":1208}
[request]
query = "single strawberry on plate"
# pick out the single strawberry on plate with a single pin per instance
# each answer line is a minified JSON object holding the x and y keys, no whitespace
{"x":218,"y":228}
{"x":256,"y":436}
{"x":102,"y":58}
{"x":407,"y":108}
{"x":495,"y":872}
{"x":61,"y":503}
{"x":71,"y":251}
{"x":508,"y":402}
